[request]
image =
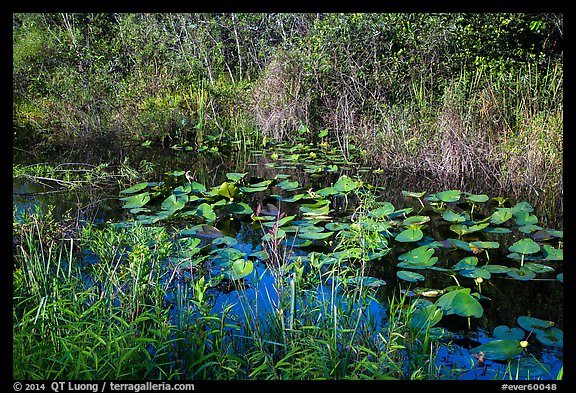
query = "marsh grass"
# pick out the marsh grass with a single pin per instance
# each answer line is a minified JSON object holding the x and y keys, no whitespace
{"x":117,"y":310}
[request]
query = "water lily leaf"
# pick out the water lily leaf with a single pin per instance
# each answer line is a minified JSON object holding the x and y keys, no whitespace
{"x":500,"y":216}
{"x":466,"y":263}
{"x":196,"y":187}
{"x":202,"y":231}
{"x":182,"y":190}
{"x":176,"y":173}
{"x":504,"y":332}
{"x":485,"y":245}
{"x":382,"y":211}
{"x":228,"y":190}
{"x":522,"y":274}
{"x":365,"y":281}
{"x":345,"y":184}
{"x":420,"y":254}
{"x":135,"y":188}
{"x":529,"y":367}
{"x":448,"y":196}
{"x":293,"y":198}
{"x":538,"y":267}
{"x":413,"y":194}
{"x":239,"y":208}
{"x":415,"y":220}
{"x":504,"y":349}
{"x":240,"y":268}
{"x":235,"y":176}
{"x":326,"y":191}
{"x":477,"y":198}
{"x":560,"y":277}
{"x":461,"y":303}
{"x":409,"y":276}
{"x":458,"y":244}
{"x":522,"y":207}
{"x":462,"y":229}
{"x":260,"y":255}
{"x":288,"y":185}
{"x":314,"y":235}
{"x":525,"y":246}
{"x":452,"y":216}
{"x":206,"y":211}
{"x":174,"y":203}
{"x":551,"y":336}
{"x":552,"y":254}
{"x":136,"y":201}
{"x":426,"y":317}
{"x":496,"y":230}
{"x":336,"y":226}
{"x":409,"y":235}
{"x":494,"y":269}
{"x":534,"y":325}
{"x":525,"y":218}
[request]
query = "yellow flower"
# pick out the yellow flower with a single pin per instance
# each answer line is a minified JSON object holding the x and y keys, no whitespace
{"x":523,"y":343}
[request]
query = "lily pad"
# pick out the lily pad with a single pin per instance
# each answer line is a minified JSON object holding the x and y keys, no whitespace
{"x":448,"y":196}
{"x":552,"y":254}
{"x":534,"y":325}
{"x":551,"y":336}
{"x":426,"y":317}
{"x":409,"y":235}
{"x":461,"y":303}
{"x":522,"y":274}
{"x":345,"y":184}
{"x":504,"y":332}
{"x":409,"y":276}
{"x":452,"y":216}
{"x":525,"y":246}
{"x":135,"y":188}
{"x":136,"y":201}
{"x":239,"y":208}
{"x":240,"y":268}
{"x":529,"y":367}
{"x":503,"y":349}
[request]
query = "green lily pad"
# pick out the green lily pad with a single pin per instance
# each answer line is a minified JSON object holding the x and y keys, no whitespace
{"x":529,"y":367}
{"x":500,"y":216}
{"x":206,"y":211}
{"x":551,"y":336}
{"x":504,"y":332}
{"x":413,"y":194}
{"x":135,"y":188}
{"x":503,"y":349}
{"x":345,"y":184}
{"x":452,"y":216}
{"x":240,"y":268}
{"x":426,"y":317}
{"x":475,"y":273}
{"x":382,"y":211}
{"x":552,"y":254}
{"x":409,"y":276}
{"x":365,"y":281}
{"x":288,"y":185}
{"x":314,"y":235}
{"x":235,"y":176}
{"x":522,"y":274}
{"x":409,"y":235}
{"x":495,"y":269}
{"x":239,"y":208}
{"x":477,"y":198}
{"x":534,"y":325}
{"x":461,"y":303}
{"x":448,"y":196}
{"x":525,"y":246}
{"x":136,"y":201}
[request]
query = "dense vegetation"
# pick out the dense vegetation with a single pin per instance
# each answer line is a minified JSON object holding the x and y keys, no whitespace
{"x":466,"y":100}
{"x":463,"y":105}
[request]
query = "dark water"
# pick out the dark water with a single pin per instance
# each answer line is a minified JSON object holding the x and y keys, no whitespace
{"x":541,"y":298}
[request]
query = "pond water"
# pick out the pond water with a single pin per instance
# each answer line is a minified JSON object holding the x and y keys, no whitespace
{"x":504,"y":299}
